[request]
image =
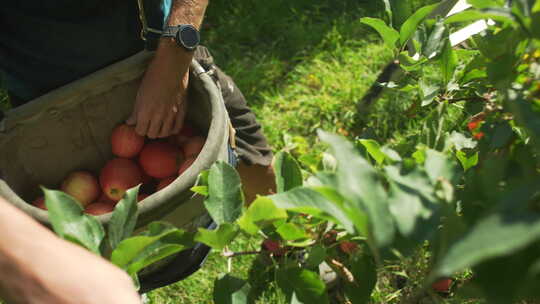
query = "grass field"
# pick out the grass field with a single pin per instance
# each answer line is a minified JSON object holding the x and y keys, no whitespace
{"x":302,"y":65}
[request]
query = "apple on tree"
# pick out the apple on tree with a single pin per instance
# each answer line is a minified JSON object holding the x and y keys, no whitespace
{"x":442,"y":285}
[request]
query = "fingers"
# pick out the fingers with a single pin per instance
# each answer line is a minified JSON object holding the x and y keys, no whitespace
{"x":180,"y":116}
{"x":143,"y":123}
{"x":166,"y":128}
{"x":155,"y":124}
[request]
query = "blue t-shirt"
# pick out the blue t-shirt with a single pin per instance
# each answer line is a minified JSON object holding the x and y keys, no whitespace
{"x":47,"y":44}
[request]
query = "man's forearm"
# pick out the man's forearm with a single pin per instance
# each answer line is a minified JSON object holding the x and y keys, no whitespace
{"x":169,"y":54}
{"x":187,"y":12}
{"x":38,"y":267}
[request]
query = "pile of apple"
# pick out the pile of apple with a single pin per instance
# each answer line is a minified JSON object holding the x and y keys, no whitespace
{"x":153,"y":163}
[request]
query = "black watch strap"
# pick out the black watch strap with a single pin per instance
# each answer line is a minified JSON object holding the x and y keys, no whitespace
{"x":185,"y":35}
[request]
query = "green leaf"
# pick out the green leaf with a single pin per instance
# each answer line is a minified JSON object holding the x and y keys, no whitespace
{"x":502,"y":134}
{"x":365,"y":278}
{"x":498,"y":14}
{"x":389,"y":35}
{"x":485,"y":3}
{"x":230,"y":290}
{"x":202,"y":190}
{"x":305,"y":284}
{"x":261,"y":212}
{"x":160,"y":240}
{"x":218,"y":238}
{"x":315,"y":255}
{"x":291,"y":232}
{"x":467,"y":162}
{"x":510,"y":227}
{"x":449,"y":63}
{"x":536,"y":7}
{"x":436,"y":40}
{"x":288,"y":173}
{"x":309,"y":201}
{"x":525,"y":115}
{"x":516,"y":286}
{"x":225,"y":198}
{"x":409,"y":27}
{"x":407,"y":208}
{"x":70,"y":223}
{"x":412,"y":202}
{"x":428,"y":92}
{"x":374,"y":150}
{"x":439,"y":166}
{"x":401,"y":10}
{"x":124,"y":218}
{"x":460,"y":141}
{"x":408,"y":63}
{"x":359,"y":183}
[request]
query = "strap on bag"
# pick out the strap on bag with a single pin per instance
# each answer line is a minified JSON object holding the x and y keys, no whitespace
{"x":144,"y":24}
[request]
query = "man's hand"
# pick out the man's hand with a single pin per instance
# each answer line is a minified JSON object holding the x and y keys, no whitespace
{"x":161,"y":103}
{"x":38,"y":267}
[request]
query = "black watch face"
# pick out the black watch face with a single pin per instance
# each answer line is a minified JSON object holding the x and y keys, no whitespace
{"x":188,"y":36}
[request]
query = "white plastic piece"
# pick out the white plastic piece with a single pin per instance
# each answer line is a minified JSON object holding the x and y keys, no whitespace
{"x":460,"y":6}
{"x":467,"y":32}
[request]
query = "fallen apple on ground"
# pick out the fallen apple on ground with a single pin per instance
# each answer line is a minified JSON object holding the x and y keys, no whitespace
{"x":125,"y":142}
{"x":82,"y":186}
{"x":119,"y":175}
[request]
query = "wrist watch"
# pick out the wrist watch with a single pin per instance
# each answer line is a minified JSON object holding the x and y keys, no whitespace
{"x":185,"y":35}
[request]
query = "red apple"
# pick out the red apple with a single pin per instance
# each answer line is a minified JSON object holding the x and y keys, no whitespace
{"x":105,"y":199}
{"x":184,"y":135}
{"x":40,"y":203}
{"x":82,"y":186}
{"x":99,"y":208}
{"x":186,"y":164}
{"x":125,"y":142}
{"x":165,"y":182}
{"x":160,"y":159}
{"x":119,"y":175}
{"x":348,"y":247}
{"x":193,"y":146}
{"x":273,"y":247}
{"x":442,"y":285}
